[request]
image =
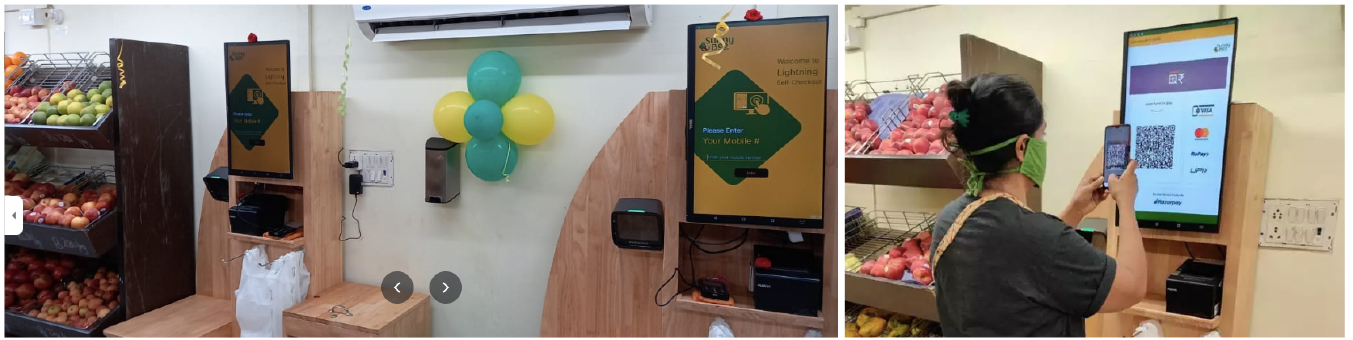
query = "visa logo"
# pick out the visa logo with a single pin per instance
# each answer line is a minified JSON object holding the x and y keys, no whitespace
{"x":1198,"y":154}
{"x":1202,"y":110}
{"x":1198,"y":171}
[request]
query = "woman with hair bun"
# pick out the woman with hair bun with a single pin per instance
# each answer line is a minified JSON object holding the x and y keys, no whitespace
{"x":1004,"y":270}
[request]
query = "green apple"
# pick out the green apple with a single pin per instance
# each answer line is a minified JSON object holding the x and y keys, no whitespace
{"x":88,"y":110}
{"x":40,"y":118}
{"x":96,"y":99}
{"x":53,"y":110}
{"x":101,"y":109}
{"x":79,"y":98}
{"x":71,"y":120}
{"x":106,"y":85}
{"x":74,"y":92}
{"x":57,"y":98}
{"x":53,"y":120}
{"x":87,"y":120}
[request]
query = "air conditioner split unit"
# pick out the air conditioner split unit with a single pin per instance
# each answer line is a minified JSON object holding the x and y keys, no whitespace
{"x":382,"y":23}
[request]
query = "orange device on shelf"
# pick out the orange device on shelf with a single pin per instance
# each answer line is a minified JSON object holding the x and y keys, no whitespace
{"x":695,"y":295}
{"x":714,"y":291}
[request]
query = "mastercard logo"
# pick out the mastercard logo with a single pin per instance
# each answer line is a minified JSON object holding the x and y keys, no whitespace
{"x":1200,"y":133}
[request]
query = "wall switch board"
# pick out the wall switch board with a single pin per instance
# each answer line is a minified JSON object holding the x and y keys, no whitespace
{"x":1299,"y":224}
{"x":377,"y":167}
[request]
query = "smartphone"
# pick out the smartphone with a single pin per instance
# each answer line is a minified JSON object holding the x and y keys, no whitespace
{"x":1117,"y":147}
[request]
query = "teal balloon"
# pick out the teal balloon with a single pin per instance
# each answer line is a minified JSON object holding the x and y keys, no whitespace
{"x":494,"y":76}
{"x":491,"y":159}
{"x":483,"y":119}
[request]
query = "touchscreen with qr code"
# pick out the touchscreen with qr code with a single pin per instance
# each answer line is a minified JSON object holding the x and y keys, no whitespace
{"x":1176,"y":95}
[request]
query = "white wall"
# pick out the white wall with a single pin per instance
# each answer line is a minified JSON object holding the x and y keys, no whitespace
{"x":497,"y":237}
{"x":1290,"y":60}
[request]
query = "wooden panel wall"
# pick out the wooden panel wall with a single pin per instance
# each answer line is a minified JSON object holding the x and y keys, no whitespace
{"x":317,"y":138}
{"x":596,"y":289}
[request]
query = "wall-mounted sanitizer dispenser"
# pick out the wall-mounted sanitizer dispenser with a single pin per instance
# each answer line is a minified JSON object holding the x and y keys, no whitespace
{"x":443,"y":170}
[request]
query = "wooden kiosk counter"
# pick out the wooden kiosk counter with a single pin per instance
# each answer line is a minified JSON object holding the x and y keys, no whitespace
{"x":316,"y":191}
{"x":599,"y":290}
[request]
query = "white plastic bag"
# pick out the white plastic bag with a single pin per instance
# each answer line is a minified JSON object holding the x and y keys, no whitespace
{"x":720,"y":329}
{"x":268,"y":289}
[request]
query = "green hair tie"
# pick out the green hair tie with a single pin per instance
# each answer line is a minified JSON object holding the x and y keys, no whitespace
{"x":959,"y":117}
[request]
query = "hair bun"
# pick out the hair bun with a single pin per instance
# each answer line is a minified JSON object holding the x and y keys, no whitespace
{"x":960,"y":95}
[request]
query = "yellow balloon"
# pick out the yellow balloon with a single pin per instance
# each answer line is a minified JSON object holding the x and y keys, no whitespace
{"x":449,"y":116}
{"x":527,"y":119}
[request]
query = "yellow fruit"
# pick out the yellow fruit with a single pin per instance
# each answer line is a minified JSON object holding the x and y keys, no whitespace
{"x":865,"y":315}
{"x":900,"y":332}
{"x":74,"y":107}
{"x":873,"y":328}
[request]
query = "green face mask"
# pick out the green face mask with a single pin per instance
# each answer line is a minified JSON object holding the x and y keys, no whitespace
{"x":1034,"y":165}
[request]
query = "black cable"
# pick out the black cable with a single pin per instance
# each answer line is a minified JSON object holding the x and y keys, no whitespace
{"x":675,"y":272}
{"x":741,"y":240}
{"x":1223,"y":251}
{"x":354,"y":218}
{"x":1186,"y":248}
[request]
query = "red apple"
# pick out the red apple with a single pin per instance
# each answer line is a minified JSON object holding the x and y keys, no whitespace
{"x":103,"y":206}
{"x":74,"y":211}
{"x":65,"y":220}
{"x":920,"y":145}
{"x":893,"y":270}
{"x":91,"y":214}
{"x":25,"y":291}
{"x":79,"y":222}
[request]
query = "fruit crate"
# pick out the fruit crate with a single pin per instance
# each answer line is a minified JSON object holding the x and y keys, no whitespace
{"x":92,"y":241}
{"x":27,"y":326}
{"x":60,"y":73}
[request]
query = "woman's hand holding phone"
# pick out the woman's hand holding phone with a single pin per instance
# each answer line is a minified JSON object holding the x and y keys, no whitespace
{"x":1124,"y":188}
{"x":1089,"y":194}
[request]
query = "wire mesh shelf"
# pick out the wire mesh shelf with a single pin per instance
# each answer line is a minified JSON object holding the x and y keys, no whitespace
{"x":60,"y":73}
{"x":892,"y":114}
{"x":881,"y":230}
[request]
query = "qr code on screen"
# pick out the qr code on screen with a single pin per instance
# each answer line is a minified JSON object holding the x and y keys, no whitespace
{"x":1155,"y":147}
{"x":1115,"y":155}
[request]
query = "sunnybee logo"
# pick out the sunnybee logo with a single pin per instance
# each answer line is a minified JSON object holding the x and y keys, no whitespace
{"x":711,"y":43}
{"x":1226,"y":47}
{"x":236,"y":56}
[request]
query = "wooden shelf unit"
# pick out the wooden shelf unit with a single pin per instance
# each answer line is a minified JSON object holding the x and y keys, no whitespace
{"x":1249,"y":135}
{"x":742,"y":309}
{"x":148,"y":236}
{"x":977,"y":56}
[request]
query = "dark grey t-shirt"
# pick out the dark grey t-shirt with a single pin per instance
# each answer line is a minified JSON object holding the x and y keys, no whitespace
{"x":1012,"y":272}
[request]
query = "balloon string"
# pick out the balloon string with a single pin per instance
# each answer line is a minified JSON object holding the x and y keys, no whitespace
{"x":343,"y":88}
{"x":719,"y":30}
{"x":506,"y":176}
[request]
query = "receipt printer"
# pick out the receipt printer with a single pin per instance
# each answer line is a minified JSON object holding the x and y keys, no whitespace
{"x":1195,"y":289}
{"x":786,"y":280}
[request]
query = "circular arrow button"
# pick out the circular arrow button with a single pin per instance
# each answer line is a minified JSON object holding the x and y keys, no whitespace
{"x":397,"y":287}
{"x":445,"y":287}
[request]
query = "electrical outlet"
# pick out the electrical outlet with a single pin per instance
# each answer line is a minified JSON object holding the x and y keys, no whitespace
{"x":377,"y":167}
{"x":1300,"y":224}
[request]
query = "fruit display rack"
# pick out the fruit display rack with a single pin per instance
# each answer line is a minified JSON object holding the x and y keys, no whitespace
{"x":62,"y":100}
{"x":58,"y":295}
{"x":892,"y":325}
{"x":75,"y":218}
{"x":146,"y":243}
{"x":881,"y":231}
